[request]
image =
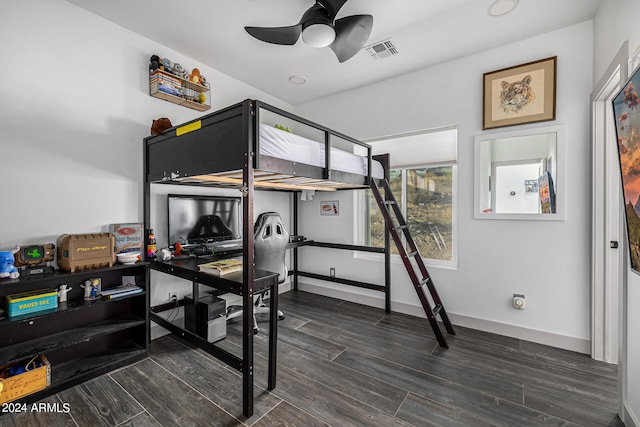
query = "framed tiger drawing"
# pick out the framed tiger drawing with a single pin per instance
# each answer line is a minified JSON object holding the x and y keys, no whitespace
{"x":521,"y":94}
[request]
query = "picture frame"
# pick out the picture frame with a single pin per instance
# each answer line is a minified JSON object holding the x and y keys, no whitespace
{"x":330,"y":208}
{"x":531,"y":185}
{"x":520,"y":94}
{"x":626,"y":115}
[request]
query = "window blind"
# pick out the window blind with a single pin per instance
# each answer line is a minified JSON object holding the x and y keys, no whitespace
{"x":418,"y":148}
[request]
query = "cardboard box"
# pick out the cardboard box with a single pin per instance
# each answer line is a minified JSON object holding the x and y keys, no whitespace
{"x":86,"y":251}
{"x":129,"y":237}
{"x":30,"y":381}
{"x":31,"y":301}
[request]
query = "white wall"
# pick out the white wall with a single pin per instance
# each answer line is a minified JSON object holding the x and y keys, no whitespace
{"x":615,"y":22}
{"x":545,"y":260}
{"x":74,"y":109}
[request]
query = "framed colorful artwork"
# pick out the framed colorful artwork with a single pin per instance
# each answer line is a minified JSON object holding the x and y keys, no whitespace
{"x":626,"y":111}
{"x":517,"y":95}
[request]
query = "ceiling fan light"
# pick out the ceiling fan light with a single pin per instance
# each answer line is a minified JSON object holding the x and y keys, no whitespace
{"x":318,"y":35}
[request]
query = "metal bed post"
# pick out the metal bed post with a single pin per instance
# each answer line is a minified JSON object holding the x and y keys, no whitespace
{"x":295,"y":233}
{"x":387,"y":244}
{"x":146,"y":222}
{"x":248,"y":127}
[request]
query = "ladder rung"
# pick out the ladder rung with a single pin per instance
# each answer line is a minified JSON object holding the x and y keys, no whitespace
{"x":426,"y":284}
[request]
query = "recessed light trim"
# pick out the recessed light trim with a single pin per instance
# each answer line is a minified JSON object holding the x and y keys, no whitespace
{"x":502,"y":7}
{"x":298,"y":80}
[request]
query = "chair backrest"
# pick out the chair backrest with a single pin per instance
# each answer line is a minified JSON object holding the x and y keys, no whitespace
{"x":270,"y":238}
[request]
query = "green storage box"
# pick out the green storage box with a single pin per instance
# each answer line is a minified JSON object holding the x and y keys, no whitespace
{"x":32,"y":302}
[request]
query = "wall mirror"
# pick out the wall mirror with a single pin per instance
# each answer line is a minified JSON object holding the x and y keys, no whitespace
{"x":519,"y":175}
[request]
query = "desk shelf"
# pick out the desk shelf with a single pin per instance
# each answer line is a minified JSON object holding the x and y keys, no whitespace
{"x":233,"y":283}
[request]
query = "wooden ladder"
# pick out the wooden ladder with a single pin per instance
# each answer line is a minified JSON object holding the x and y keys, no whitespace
{"x":424,"y":282}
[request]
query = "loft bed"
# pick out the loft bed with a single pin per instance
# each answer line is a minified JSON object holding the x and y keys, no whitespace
{"x":213,"y":150}
{"x":252,"y":146}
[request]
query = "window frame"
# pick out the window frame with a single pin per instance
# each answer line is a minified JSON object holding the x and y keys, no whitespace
{"x":362,"y":222}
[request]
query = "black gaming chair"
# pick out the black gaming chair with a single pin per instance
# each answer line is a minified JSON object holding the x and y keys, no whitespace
{"x":270,"y":238}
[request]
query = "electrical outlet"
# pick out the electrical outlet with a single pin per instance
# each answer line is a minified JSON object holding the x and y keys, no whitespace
{"x":173,"y":296}
{"x":519,"y":302}
{"x":332,"y":272}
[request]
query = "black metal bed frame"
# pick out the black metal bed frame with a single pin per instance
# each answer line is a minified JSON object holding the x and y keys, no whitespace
{"x":228,"y":140}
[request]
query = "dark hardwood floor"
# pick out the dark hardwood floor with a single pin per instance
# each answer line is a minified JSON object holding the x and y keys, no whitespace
{"x":343,"y":364}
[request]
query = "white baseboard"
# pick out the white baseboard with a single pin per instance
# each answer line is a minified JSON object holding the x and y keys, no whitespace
{"x":518,"y":332}
{"x":628,"y":417}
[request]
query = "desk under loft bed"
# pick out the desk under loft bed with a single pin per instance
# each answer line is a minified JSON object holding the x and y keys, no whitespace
{"x":241,"y":147}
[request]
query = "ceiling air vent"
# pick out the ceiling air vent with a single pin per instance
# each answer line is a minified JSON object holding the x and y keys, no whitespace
{"x":382,"y":49}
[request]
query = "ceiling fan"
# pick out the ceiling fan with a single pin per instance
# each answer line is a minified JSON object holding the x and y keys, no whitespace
{"x":319,"y":28}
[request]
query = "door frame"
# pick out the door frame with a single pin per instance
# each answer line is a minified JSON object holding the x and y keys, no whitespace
{"x":607,"y":263}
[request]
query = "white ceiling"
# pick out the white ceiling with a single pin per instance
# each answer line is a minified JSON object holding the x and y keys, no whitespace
{"x":426,"y":32}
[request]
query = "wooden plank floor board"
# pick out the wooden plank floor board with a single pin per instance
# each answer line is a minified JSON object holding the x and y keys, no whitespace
{"x":209,"y":378}
{"x":370,"y":339}
{"x":378,"y":394}
{"x":567,"y":406}
{"x":570,"y":359}
{"x":329,"y":405}
{"x":167,"y":399}
{"x":320,"y":347}
{"x":590,"y":387}
{"x":287,"y":415}
{"x":448,"y":393}
{"x":107,"y":403}
{"x":424,"y":412}
{"x":141,"y":420}
{"x":343,"y":364}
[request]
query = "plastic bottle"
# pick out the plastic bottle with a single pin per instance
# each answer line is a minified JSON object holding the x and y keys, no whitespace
{"x":151,"y":244}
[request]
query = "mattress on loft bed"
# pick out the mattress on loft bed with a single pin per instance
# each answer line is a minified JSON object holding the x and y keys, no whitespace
{"x":289,"y":146}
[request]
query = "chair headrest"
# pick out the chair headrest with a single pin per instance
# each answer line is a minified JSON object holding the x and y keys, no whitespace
{"x":270,"y":238}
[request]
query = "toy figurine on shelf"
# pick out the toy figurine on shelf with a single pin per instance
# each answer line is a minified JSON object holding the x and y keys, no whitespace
{"x":164,"y":254}
{"x":91,"y":289}
{"x":194,"y":77}
{"x":62,"y":293}
{"x":7,"y":269}
{"x":177,"y":249}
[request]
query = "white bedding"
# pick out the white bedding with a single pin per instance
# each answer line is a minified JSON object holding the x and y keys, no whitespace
{"x":288,"y":146}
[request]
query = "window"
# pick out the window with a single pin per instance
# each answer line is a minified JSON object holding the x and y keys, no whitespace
{"x":425,"y":192}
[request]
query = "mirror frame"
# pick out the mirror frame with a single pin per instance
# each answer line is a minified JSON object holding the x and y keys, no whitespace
{"x":561,"y":191}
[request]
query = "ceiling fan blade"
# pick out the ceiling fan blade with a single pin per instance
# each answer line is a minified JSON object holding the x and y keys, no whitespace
{"x":276,"y":35}
{"x":352,"y":32}
{"x":332,"y":6}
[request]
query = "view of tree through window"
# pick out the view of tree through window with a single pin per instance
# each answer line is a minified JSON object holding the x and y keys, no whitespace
{"x":428,"y":195}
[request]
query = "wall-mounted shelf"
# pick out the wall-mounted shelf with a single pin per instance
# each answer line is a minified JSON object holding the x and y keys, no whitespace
{"x":183,"y":92}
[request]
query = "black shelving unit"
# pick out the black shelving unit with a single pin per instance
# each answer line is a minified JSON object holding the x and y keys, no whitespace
{"x":81,"y":339}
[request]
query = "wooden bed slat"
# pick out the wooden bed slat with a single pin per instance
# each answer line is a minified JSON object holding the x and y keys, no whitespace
{"x":275,"y":185}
